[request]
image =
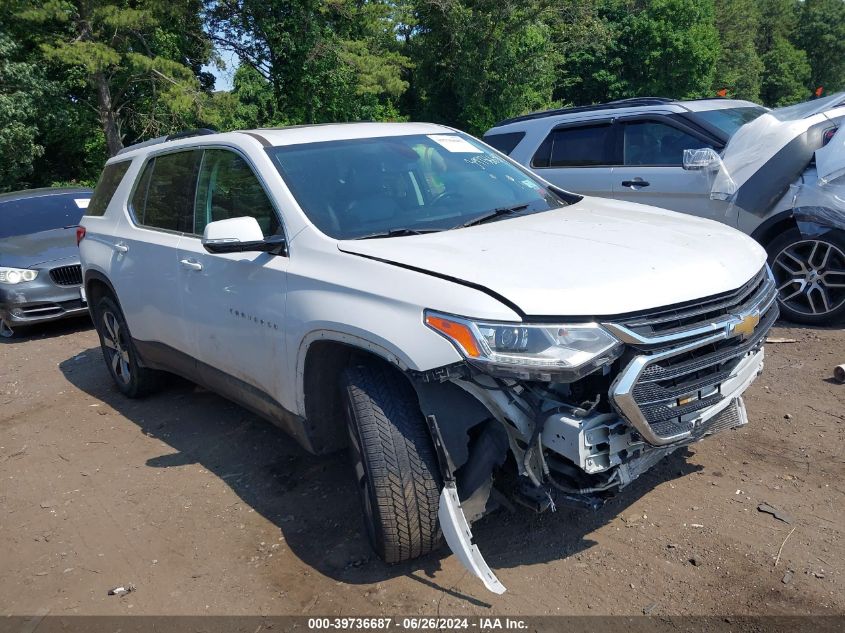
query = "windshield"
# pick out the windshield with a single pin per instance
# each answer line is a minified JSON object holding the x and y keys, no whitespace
{"x":405,"y":184}
{"x":729,"y":120}
{"x":42,"y":213}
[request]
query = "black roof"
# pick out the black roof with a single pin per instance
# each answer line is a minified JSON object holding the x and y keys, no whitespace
{"x":44,"y":191}
{"x":610,"y":105}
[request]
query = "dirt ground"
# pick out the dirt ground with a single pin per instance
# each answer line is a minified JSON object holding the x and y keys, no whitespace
{"x":207,"y":509}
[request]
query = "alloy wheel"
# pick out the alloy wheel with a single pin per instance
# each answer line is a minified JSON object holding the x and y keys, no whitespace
{"x":116,"y":346}
{"x":810,"y":276}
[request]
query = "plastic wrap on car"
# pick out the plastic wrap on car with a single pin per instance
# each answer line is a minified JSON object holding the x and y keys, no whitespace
{"x":768,"y":155}
{"x":830,"y":159}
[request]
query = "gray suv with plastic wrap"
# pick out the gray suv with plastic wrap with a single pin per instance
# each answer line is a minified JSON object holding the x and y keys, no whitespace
{"x":776,"y":175}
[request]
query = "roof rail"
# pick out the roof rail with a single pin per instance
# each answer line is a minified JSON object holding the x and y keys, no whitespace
{"x":201,"y":131}
{"x":170,"y":137}
{"x":610,"y":105}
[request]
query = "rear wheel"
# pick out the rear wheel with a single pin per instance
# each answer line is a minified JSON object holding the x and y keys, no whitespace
{"x":120,"y":355}
{"x":396,"y":468}
{"x":810,"y":276}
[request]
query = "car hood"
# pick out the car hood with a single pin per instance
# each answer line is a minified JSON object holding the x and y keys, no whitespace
{"x":594,"y":258}
{"x":28,"y":251}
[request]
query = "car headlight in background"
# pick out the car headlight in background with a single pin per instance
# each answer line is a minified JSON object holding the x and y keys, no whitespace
{"x":553,"y":352}
{"x":16,"y":275}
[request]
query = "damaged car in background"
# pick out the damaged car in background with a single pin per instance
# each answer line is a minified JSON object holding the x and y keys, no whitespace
{"x":776,"y":175}
{"x":470,"y":333}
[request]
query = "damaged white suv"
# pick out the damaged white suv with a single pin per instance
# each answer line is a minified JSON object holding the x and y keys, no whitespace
{"x":408,"y":292}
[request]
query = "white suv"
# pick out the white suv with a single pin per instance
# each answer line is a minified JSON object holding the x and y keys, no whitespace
{"x":409,"y":292}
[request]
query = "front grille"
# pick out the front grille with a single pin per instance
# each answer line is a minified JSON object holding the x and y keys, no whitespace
{"x":682,"y":318}
{"x":677,"y":366}
{"x":67,"y":275}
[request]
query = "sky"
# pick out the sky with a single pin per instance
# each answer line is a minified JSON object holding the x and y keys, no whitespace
{"x":223,"y":78}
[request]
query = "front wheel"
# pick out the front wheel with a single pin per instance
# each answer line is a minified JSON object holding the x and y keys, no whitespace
{"x":810,"y":276}
{"x":396,"y":468}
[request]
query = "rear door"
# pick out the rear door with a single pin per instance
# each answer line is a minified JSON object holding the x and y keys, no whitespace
{"x":649,"y":153}
{"x":578,"y":158}
{"x":233,"y":304}
{"x":144,"y":269}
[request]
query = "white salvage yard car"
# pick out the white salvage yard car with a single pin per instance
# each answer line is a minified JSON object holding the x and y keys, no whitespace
{"x":404,"y":290}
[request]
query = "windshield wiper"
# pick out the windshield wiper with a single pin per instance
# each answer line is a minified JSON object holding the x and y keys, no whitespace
{"x":396,"y":233}
{"x":492,"y":215}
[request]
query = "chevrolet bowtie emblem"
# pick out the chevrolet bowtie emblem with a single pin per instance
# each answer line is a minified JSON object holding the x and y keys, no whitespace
{"x":747,"y":325}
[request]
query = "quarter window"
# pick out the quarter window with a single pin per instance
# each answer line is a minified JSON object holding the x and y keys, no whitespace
{"x":505,"y":142}
{"x":106,"y":186}
{"x":164,"y":196}
{"x":228,"y":188}
{"x":652,"y":143}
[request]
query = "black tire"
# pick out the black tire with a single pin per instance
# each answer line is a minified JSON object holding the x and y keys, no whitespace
{"x":803,"y":301}
{"x":122,"y":359}
{"x":396,"y":467}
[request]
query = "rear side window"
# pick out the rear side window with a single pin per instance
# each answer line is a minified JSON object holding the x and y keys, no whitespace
{"x":164,"y":196}
{"x":575,"y":147}
{"x":42,"y":213}
{"x":653,"y":143}
{"x":228,"y":188}
{"x":505,"y":142}
{"x":106,"y":186}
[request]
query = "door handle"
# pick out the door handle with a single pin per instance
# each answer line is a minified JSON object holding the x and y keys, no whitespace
{"x":637,"y":182}
{"x":121,"y":247}
{"x":190,"y":264}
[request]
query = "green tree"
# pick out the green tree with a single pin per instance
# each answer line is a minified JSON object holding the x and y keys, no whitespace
{"x":786,"y":70}
{"x":670,"y":48}
{"x":140,"y":59}
{"x":20,"y":90}
{"x":250,"y":103}
{"x":325,"y":62}
{"x":739,"y":69}
{"x":613,"y":49}
{"x":478,"y":61}
{"x":787,"y":74}
{"x":821,"y":34}
{"x":590,"y":63}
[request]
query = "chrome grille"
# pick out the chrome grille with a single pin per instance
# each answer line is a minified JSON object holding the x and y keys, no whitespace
{"x":676,"y":366}
{"x":682,"y":318}
{"x":67,"y":275}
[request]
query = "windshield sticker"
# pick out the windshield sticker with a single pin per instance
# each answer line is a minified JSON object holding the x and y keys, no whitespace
{"x":454,"y":143}
{"x":82,"y":203}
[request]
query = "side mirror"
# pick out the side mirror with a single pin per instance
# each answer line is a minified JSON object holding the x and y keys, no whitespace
{"x":704,"y":158}
{"x":241,"y":235}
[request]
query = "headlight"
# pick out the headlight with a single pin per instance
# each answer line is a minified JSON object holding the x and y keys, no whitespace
{"x":562,"y":353}
{"x":16,"y":275}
